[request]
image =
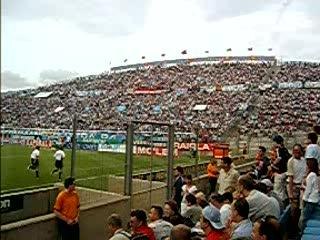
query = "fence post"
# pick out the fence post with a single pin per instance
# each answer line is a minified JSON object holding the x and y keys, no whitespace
{"x":129,"y":161}
{"x":170,"y":161}
{"x":74,"y":145}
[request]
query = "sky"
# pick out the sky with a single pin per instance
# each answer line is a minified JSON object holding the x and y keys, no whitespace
{"x":49,"y":41}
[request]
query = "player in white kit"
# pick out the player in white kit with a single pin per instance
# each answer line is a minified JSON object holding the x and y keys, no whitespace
{"x":59,"y":156}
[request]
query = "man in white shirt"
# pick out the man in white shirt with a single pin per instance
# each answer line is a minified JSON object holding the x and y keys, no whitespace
{"x":115,"y":226}
{"x":228,"y":177}
{"x":160,"y":227}
{"x":59,"y":156}
{"x":313,"y":148}
{"x":34,"y":159}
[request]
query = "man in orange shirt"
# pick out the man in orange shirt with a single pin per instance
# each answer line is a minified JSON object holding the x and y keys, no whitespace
{"x":213,"y":174}
{"x":66,"y":209}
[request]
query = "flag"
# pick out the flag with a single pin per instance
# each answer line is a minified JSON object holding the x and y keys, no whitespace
{"x":206,"y":51}
{"x":163,"y":55}
{"x":250,"y":49}
{"x":229,"y":49}
{"x":184,"y":52}
{"x":143,"y":57}
{"x":126,"y":60}
{"x":269,"y":49}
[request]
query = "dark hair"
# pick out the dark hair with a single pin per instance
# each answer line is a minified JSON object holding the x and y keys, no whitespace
{"x":38,"y":147}
{"x":298,"y":145}
{"x":313,"y":137}
{"x":270,"y":227}
{"x":115,"y":220}
{"x":313,"y":165}
{"x":179,"y":169}
{"x":262,"y":187}
{"x":247,"y":182}
{"x":190,"y":198}
{"x":158,"y":209}
{"x":173,"y":205}
{"x":140,"y":215}
{"x":68,"y":182}
{"x":216,"y":197}
{"x":278,"y":139}
{"x":189,"y":177}
{"x":263,"y":149}
{"x":227,"y":196}
{"x":227,"y":160}
{"x":242,"y":207}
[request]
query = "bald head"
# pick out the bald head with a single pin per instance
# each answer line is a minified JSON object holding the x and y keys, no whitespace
{"x":180,"y":232}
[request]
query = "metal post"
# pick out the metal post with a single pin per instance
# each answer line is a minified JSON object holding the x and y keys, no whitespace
{"x":74,"y":146}
{"x":129,"y":160}
{"x":197,"y":152}
{"x":170,"y":161}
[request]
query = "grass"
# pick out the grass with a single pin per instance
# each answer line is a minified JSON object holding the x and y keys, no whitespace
{"x":16,"y":158}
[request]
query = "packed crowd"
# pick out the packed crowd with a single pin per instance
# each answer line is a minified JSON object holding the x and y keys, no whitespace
{"x":108,"y":100}
{"x":278,"y":200}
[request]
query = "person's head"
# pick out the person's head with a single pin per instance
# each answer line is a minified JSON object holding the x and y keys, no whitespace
{"x":227,"y":197}
{"x":239,"y":210}
{"x":297,"y":151}
{"x":245,"y":185}
{"x":170,"y":208}
{"x":278,"y":140}
{"x":201,"y":199}
{"x":188,"y":179}
{"x":312,"y":165}
{"x":191,"y":200}
{"x":268,"y":185}
{"x":37,"y":147}
{"x":180,"y":232}
{"x":262,"y":151}
{"x":226,"y":163}
{"x":267,"y":228}
{"x":313,"y":137}
{"x":216,"y":200}
{"x":156,"y":212}
{"x":210,"y":219}
{"x":69,"y":183}
{"x":178,"y":171}
{"x":138,"y":218}
{"x":114,"y":222}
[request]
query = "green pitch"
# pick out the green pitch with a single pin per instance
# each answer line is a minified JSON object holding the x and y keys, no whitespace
{"x":91,"y":167}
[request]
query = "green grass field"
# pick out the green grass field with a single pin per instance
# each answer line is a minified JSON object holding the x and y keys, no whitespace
{"x":92,"y":165}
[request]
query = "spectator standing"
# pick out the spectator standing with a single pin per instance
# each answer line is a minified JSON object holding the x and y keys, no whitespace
{"x":160,"y":227}
{"x":115,"y":226}
{"x":67,"y":209}
{"x":213,"y":174}
{"x":283,"y":155}
{"x":313,"y":148}
{"x":295,"y":173}
{"x":310,"y":191}
{"x":262,"y":162}
{"x":138,"y":224}
{"x":177,"y":186}
{"x":228,"y":176}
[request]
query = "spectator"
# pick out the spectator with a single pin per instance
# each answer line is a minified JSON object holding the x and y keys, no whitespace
{"x":201,"y":199}
{"x":211,"y":224}
{"x":295,"y":173}
{"x":160,"y":227}
{"x":138,"y":224}
{"x":67,"y":209}
{"x":115,"y":227}
{"x":193,"y":210}
{"x":282,"y":155}
{"x":262,"y":162}
{"x":265,"y":186}
{"x":259,"y":203}
{"x":171,"y":213}
{"x":180,"y":232}
{"x":240,"y":216}
{"x":313,"y":148}
{"x":228,"y":176}
{"x":310,"y":191}
{"x":225,"y":210}
{"x":187,"y":188}
{"x":213,"y":174}
{"x":177,"y":186}
{"x":266,"y":228}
